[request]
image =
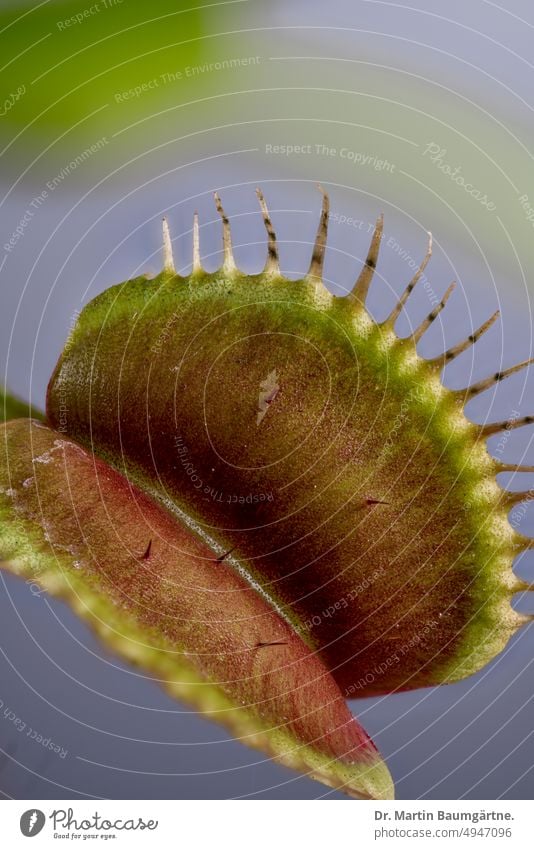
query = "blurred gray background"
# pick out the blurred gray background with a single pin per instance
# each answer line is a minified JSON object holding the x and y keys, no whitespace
{"x":378,"y":95}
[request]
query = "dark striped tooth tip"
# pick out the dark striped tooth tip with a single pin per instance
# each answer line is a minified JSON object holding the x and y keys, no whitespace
{"x":510,"y":424}
{"x":455,"y":351}
{"x":361,"y":287}
{"x":397,"y":309}
{"x":493,"y":379}
{"x":431,"y":317}
{"x":229,"y":265}
{"x":168,"y":260}
{"x":315,"y":270}
{"x":272,"y":264}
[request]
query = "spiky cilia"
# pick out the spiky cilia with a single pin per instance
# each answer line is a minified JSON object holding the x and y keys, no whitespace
{"x":273,"y":462}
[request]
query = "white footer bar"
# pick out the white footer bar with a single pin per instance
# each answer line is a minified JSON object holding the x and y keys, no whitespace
{"x":266,"y":824}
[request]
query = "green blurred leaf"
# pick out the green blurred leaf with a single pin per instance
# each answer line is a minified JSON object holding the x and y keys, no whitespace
{"x":14,"y":408}
{"x":64,"y":60}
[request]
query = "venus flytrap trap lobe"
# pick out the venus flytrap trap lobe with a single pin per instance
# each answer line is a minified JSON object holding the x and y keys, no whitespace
{"x":174,"y":609}
{"x":214,"y":596}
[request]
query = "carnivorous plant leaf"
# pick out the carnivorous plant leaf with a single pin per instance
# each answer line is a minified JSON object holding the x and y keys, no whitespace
{"x":253,"y":489}
{"x":161,"y":597}
{"x":317,"y":446}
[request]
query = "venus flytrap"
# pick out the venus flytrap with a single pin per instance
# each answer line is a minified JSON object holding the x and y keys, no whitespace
{"x":274,"y":386}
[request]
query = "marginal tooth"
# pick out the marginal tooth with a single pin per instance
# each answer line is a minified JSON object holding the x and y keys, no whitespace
{"x":315,"y":270}
{"x":361,"y":287}
{"x":197,"y":265}
{"x":511,"y":424}
{"x":518,"y":585}
{"x":488,"y":382}
{"x":423,"y":327}
{"x":523,"y":619}
{"x":454,"y":352}
{"x":521,"y":542}
{"x":510,"y":467}
{"x":396,"y":311}
{"x":509,"y":499}
{"x":168,"y":261}
{"x":229,"y":265}
{"x":272,"y":265}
